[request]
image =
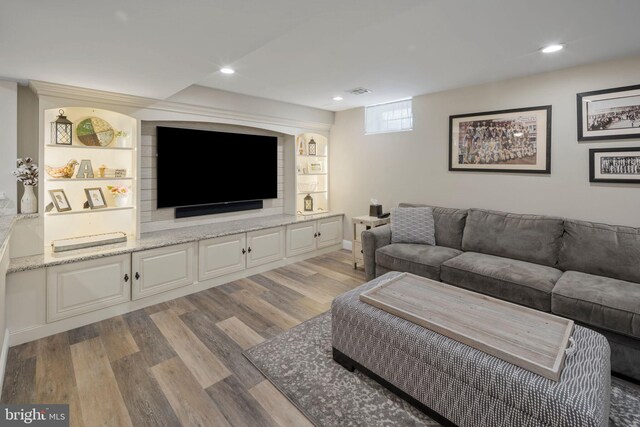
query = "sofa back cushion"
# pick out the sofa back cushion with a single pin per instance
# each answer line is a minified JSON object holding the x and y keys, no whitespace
{"x":600,"y":249}
{"x":532,"y":238}
{"x":449,"y":224}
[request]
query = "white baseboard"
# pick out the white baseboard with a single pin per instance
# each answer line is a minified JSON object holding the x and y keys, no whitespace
{"x":4,"y":352}
{"x":347,"y":244}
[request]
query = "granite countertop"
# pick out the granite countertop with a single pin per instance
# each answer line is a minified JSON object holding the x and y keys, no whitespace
{"x":158,"y":239}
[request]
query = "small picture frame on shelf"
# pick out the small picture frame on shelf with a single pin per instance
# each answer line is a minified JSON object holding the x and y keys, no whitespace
{"x":315,"y":167}
{"x":60,"y":201}
{"x":95,"y":198}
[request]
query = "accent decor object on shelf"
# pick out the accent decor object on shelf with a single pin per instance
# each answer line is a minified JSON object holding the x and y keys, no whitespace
{"x":312,"y":149}
{"x":85,"y":170}
{"x":65,"y":171}
{"x":308,"y":203}
{"x":121,"y":138}
{"x":61,"y":130}
{"x":120,"y":194}
{"x":27,"y":174}
{"x":95,"y":132}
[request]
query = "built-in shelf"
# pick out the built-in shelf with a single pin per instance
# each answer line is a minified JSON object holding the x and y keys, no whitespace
{"x":310,"y":155}
{"x":90,"y":147}
{"x":86,"y":211}
{"x":89,"y":179}
{"x":312,"y":174}
{"x":311,"y":213}
{"x":312,"y":192}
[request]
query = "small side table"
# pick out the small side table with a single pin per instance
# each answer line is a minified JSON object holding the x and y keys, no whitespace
{"x":369,"y":222}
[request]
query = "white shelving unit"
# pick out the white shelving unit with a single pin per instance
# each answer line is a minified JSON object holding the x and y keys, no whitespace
{"x":312,"y":173}
{"x":81,"y":221}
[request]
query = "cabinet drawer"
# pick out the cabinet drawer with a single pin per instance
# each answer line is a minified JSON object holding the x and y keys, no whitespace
{"x":329,"y":231}
{"x":357,"y":251}
{"x":86,"y":286}
{"x":160,"y":270}
{"x":301,"y":238}
{"x":265,"y":246}
{"x":221,"y":255}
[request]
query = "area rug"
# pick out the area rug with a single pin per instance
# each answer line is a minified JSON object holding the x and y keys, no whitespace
{"x":299,"y":363}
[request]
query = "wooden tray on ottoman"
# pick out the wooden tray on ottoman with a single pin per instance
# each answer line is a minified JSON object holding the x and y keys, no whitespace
{"x":531,"y":339}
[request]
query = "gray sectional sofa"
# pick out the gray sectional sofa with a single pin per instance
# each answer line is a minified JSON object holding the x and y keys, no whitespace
{"x":584,"y":271}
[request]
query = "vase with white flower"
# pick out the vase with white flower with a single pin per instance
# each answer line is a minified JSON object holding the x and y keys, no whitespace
{"x":120,"y":194}
{"x":27,"y":174}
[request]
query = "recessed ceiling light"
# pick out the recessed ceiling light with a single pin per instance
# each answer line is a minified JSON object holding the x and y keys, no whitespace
{"x":552,"y":48}
{"x":227,"y":70}
{"x":338,"y":98}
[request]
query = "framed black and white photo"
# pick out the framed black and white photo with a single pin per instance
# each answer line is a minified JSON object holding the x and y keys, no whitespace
{"x":517,"y":140}
{"x":60,"y":201}
{"x":95,"y":197}
{"x":615,"y":165}
{"x":609,"y":114}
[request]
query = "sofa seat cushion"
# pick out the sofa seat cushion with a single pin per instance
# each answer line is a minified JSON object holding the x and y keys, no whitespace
{"x":423,"y":260}
{"x":516,"y":281}
{"x":598,"y":301}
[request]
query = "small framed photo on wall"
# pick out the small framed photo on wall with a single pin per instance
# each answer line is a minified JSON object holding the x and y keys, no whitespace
{"x":60,"y":201}
{"x":95,"y":197}
{"x":609,"y":114}
{"x":615,"y":165}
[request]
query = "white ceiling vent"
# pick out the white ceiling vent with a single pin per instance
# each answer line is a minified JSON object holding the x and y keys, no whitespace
{"x":359,"y":91}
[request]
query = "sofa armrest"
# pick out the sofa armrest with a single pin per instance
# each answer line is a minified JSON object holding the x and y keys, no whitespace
{"x":372,"y":240}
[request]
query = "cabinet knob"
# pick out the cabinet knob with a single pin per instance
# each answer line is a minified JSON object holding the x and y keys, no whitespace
{"x":319,"y":234}
{"x":243,"y":251}
{"x":126,"y":277}
{"x":315,"y":235}
{"x":137,"y":276}
{"x":249,"y":250}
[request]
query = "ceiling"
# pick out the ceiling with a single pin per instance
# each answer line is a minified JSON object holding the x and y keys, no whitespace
{"x":306,"y":52}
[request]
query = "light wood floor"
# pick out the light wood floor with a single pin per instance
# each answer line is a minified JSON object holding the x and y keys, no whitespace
{"x":180,"y":362}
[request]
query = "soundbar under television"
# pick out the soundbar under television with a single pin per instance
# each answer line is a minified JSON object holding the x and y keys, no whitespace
{"x":202,"y":172}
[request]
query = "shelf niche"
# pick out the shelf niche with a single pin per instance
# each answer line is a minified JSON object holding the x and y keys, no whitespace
{"x":312,"y":173}
{"x":79,"y":221}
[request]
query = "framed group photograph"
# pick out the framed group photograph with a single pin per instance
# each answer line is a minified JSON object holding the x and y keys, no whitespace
{"x":615,"y":165}
{"x":95,"y":197}
{"x":60,"y":201}
{"x":609,"y":114}
{"x":517,"y":140}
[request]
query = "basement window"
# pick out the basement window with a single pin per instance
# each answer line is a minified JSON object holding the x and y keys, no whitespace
{"x":394,"y":116}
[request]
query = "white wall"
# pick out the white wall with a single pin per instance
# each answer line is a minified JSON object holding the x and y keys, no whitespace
{"x":413,"y":166}
{"x":8,"y":144}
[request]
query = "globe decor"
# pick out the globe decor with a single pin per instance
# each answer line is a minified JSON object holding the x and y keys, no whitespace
{"x":95,"y":132}
{"x":61,"y":130}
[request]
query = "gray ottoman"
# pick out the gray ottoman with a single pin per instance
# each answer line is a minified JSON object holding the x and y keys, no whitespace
{"x":465,"y":386}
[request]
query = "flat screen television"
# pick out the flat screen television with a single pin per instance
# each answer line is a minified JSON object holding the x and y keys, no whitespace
{"x":201,"y":167}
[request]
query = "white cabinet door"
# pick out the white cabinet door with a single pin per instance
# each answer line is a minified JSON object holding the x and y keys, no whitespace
{"x":86,"y":286}
{"x":221,"y":255}
{"x":329,"y":231}
{"x":265,"y":246}
{"x":301,"y":238}
{"x":159,"y":270}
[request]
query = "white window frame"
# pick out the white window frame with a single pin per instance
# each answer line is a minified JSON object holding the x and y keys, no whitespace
{"x":379,"y":118}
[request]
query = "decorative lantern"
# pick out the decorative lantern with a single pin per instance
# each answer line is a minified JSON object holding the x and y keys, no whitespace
{"x":61,"y":130}
{"x":308,"y":203}
{"x":312,"y":148}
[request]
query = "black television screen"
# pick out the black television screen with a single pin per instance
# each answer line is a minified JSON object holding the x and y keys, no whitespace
{"x":201,"y":167}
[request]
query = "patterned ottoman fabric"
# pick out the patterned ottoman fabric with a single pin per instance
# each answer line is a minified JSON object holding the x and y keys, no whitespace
{"x":465,"y":385}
